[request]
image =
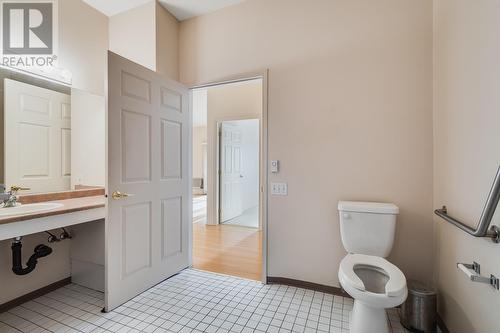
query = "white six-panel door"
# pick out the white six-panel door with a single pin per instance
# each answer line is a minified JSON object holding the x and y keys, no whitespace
{"x":231,"y":174}
{"x":146,"y":231}
{"x":37,"y":139}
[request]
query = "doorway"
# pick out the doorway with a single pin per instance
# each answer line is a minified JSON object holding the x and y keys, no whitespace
{"x":228,"y":175}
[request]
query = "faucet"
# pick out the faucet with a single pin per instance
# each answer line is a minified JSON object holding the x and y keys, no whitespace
{"x":3,"y":195}
{"x":9,"y":199}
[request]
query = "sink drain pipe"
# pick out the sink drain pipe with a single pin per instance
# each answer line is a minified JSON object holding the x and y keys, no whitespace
{"x":17,"y":266}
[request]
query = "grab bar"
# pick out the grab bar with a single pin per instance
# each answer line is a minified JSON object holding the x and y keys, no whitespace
{"x":483,"y":228}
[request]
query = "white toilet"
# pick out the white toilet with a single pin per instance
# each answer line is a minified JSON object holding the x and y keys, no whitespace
{"x":367,"y":231}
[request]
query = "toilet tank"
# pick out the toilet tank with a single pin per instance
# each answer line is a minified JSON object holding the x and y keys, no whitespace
{"x":368,"y":227}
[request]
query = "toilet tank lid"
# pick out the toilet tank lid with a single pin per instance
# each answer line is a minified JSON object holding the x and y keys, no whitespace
{"x":368,"y":207}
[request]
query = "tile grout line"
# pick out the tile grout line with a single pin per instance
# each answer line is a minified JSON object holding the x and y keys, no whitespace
{"x":192,"y":301}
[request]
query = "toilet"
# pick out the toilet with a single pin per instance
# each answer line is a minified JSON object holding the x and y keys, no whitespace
{"x":367,"y":230}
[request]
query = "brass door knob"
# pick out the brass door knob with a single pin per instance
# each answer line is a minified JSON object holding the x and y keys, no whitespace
{"x":117,"y":195}
{"x":15,"y":188}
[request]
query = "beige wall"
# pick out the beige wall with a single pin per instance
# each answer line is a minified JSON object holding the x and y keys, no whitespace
{"x":227,"y":102}
{"x":132,"y":34}
{"x":83,"y":44}
{"x":350,"y":117}
{"x":167,"y":43}
{"x":147,"y":35}
{"x":83,"y":52}
{"x":467,"y":136}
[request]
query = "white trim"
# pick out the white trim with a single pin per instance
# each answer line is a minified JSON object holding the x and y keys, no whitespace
{"x":224,"y":82}
{"x":190,"y":180}
{"x":264,"y":175}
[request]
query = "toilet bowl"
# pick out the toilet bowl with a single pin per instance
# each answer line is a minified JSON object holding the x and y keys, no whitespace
{"x":367,"y":231}
{"x":375,"y":284}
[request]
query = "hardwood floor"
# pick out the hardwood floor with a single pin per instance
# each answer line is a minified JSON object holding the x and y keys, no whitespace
{"x":228,"y":249}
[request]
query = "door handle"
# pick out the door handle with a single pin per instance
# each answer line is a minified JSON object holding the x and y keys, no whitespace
{"x":117,"y":195}
{"x":15,"y":188}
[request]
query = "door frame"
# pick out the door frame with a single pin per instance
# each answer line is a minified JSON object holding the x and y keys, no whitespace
{"x":264,"y":154}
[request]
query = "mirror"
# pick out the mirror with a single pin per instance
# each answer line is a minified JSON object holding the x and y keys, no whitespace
{"x":53,"y":136}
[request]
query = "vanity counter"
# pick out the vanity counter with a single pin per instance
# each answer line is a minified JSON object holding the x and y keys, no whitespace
{"x":72,"y":211}
{"x":68,"y":206}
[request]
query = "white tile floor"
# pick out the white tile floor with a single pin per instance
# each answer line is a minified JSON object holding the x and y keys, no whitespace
{"x":193,"y":301}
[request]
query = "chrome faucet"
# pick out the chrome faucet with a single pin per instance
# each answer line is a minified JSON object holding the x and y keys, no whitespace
{"x":3,"y":195}
{"x":10,"y":198}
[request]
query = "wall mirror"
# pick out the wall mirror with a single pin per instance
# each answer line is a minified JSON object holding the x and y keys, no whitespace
{"x":52,"y":136}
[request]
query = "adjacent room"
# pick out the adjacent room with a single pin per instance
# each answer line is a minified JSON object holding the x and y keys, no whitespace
{"x":249,"y":166}
{"x":227,"y":233}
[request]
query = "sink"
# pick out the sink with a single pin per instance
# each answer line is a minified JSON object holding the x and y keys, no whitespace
{"x":29,"y":209}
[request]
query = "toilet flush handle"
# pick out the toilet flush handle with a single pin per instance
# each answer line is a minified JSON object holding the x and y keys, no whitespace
{"x":346,"y":216}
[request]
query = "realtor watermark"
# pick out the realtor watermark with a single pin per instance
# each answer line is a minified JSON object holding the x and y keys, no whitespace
{"x":29,"y":33}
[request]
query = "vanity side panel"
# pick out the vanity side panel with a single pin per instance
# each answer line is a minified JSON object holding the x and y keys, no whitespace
{"x":87,"y":255}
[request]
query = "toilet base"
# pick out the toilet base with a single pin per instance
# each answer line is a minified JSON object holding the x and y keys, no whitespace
{"x":368,"y":319}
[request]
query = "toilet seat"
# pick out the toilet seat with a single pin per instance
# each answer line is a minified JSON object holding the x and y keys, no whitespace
{"x":396,"y":284}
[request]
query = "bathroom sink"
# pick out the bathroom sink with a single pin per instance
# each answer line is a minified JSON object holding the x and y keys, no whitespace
{"x":29,"y":209}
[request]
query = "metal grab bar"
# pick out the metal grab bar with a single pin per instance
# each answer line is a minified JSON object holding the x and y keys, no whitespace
{"x":483,"y":228}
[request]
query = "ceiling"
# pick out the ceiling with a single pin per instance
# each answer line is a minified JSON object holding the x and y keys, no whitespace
{"x":113,"y":7}
{"x":181,"y":9}
{"x":185,"y":9}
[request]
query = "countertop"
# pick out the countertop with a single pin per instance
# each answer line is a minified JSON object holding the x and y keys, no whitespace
{"x":69,"y":206}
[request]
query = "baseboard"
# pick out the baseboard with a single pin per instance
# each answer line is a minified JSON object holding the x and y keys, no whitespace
{"x":308,"y":285}
{"x":442,"y":325}
{"x":34,"y":294}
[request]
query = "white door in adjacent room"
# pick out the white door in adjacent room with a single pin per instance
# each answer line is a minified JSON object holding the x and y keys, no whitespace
{"x":230,"y":172}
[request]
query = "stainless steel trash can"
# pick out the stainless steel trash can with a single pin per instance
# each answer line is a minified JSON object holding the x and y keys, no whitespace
{"x":419,"y":311}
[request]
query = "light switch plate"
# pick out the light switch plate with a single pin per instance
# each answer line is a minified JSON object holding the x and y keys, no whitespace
{"x":275,"y":166}
{"x":279,"y":189}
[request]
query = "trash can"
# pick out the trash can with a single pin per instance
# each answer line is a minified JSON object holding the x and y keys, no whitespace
{"x":419,"y":311}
